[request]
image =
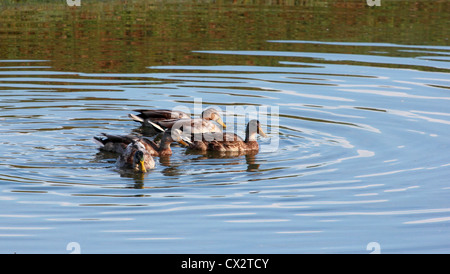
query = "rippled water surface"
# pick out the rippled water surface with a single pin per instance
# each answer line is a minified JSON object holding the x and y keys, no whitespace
{"x":358,"y":131}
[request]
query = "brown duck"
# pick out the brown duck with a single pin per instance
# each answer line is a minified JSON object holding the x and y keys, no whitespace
{"x":228,"y":142}
{"x":167,"y":119}
{"x":119,"y":143}
{"x":136,"y":157}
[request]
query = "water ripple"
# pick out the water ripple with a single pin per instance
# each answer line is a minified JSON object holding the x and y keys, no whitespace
{"x":358,"y":136}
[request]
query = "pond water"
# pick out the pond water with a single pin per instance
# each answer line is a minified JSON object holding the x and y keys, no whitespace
{"x":358,"y":116}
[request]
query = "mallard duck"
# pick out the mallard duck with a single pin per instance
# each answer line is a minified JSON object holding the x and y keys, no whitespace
{"x":136,"y":157}
{"x":166,"y":119}
{"x":119,"y":143}
{"x":227,"y":142}
{"x":160,"y":114}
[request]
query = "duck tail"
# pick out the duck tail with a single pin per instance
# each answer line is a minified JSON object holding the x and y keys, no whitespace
{"x":136,"y":118}
{"x":156,"y":126}
{"x":99,"y":141}
{"x":146,"y":122}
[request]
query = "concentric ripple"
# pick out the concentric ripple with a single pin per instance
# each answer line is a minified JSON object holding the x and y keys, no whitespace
{"x":356,"y":154}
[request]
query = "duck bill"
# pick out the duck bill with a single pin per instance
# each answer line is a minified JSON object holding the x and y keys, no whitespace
{"x":181,"y":141}
{"x":261,"y":132}
{"x":220,"y":122}
{"x":142,"y":166}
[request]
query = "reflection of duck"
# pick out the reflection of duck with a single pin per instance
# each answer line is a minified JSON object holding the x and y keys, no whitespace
{"x":177,"y":119}
{"x":228,"y":142}
{"x":250,"y":157}
{"x":119,"y":143}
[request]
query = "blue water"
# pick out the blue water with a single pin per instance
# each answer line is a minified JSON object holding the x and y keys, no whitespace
{"x":358,"y":153}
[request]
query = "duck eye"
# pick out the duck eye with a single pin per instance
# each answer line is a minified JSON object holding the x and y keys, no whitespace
{"x":139,"y":155}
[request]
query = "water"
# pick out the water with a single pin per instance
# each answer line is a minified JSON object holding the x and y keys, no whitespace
{"x":359,"y":156}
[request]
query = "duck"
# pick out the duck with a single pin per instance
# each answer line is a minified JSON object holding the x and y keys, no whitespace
{"x":119,"y":143}
{"x":162,"y":119}
{"x":136,"y":157}
{"x":228,"y":142}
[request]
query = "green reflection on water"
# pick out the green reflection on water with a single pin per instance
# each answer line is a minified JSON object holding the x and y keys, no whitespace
{"x":129,"y":36}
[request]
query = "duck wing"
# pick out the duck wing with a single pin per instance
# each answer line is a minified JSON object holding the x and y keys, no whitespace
{"x":161,"y":114}
{"x":191,"y":126}
{"x":114,"y":143}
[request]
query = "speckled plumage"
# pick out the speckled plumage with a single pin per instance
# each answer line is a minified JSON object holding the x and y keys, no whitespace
{"x":136,"y":158}
{"x":228,"y":142}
